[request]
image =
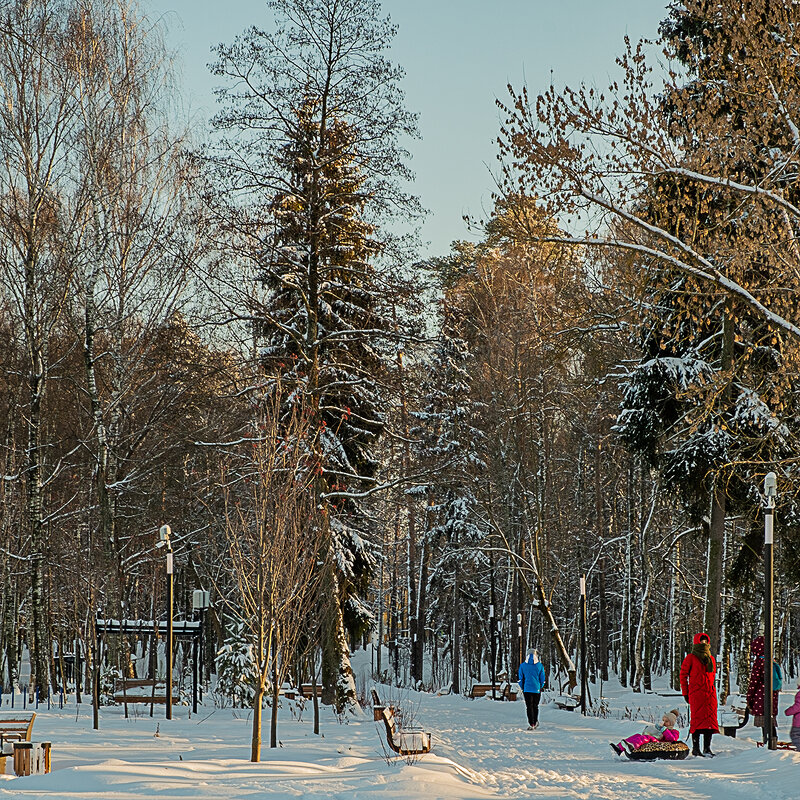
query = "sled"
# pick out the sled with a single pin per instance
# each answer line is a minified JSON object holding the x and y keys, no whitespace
{"x":650,"y":751}
{"x":778,"y":745}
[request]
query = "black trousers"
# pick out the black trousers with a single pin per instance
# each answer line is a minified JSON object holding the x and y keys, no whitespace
{"x":707,"y":734}
{"x":532,"y":706}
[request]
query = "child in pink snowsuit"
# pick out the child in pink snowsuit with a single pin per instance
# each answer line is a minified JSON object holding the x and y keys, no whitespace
{"x":666,"y":732}
{"x":794,"y":712}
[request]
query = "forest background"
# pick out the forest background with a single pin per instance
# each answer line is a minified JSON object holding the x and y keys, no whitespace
{"x":352,"y":444}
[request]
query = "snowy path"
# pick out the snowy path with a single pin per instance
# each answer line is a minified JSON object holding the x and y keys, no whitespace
{"x":481,"y":750}
{"x":569,"y":757}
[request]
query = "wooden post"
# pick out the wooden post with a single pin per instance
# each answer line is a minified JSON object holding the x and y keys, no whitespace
{"x":45,"y":757}
{"x":22,"y":758}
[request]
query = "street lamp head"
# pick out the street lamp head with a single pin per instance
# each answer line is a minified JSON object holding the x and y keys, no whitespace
{"x":163,"y":533}
{"x":201,"y":599}
{"x":770,"y":485}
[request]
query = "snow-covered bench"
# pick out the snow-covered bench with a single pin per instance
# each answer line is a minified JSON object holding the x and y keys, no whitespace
{"x":15,"y":742}
{"x":377,"y":706}
{"x":135,"y":690}
{"x":732,"y":718}
{"x":405,"y":741}
{"x":566,"y":702}
{"x":15,"y":728}
{"x":481,"y":690}
{"x":509,"y":693}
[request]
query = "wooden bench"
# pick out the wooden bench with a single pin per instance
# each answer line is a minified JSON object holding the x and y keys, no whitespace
{"x":307,"y":690}
{"x":566,"y":702}
{"x":405,"y":741}
{"x":508,"y":692}
{"x":15,"y":728}
{"x":481,"y":690}
{"x":502,"y":691}
{"x":135,"y":690}
{"x":377,"y":706}
{"x":732,"y":719}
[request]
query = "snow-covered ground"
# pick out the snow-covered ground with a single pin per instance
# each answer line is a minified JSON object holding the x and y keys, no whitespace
{"x":481,"y":749}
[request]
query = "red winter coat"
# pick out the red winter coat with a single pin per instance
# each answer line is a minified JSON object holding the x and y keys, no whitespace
{"x":698,"y":689}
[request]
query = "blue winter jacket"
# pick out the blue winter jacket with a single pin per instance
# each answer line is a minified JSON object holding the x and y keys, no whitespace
{"x":531,"y":676}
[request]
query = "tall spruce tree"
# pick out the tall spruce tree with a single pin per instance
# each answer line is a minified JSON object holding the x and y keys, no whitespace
{"x":316,"y":157}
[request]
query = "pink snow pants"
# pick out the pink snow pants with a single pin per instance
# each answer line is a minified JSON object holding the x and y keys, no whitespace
{"x":638,"y":739}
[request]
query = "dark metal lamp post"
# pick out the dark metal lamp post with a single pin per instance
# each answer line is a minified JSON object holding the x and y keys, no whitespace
{"x":583,"y":645}
{"x":770,"y":493}
{"x":493,"y":650}
{"x":201,"y":600}
{"x":163,"y":540}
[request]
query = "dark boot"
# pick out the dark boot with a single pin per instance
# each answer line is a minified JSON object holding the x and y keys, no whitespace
{"x":707,"y":746}
{"x":696,"y":744}
{"x":617,"y":748}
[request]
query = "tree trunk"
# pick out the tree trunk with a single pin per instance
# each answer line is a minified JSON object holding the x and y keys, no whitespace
{"x":716,"y":538}
{"x":603,"y":621}
{"x":39,"y":643}
{"x":339,"y":688}
{"x":314,"y":694}
{"x":415,"y":627}
{"x":716,"y":544}
{"x":422,"y":597}
{"x":456,"y":654}
{"x":255,"y":740}
{"x":276,"y":690}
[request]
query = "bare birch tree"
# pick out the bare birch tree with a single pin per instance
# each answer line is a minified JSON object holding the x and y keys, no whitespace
{"x":39,"y":211}
{"x":274,"y":542}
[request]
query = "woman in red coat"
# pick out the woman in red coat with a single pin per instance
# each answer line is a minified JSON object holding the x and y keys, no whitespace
{"x":697,"y":685}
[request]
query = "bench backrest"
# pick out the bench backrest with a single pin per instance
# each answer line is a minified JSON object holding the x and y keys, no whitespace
{"x":391,"y":730}
{"x":388,"y":718}
{"x":19,"y":726}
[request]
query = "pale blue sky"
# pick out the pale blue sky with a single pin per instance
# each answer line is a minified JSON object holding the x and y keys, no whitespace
{"x":458,"y":56}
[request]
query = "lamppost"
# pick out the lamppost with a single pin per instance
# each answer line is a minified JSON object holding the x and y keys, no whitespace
{"x":583,"y":644}
{"x":201,"y":600}
{"x":770,"y":493}
{"x":163,"y":541}
{"x":493,"y":649}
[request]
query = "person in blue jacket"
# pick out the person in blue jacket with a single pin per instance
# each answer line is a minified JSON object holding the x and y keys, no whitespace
{"x":532,"y":681}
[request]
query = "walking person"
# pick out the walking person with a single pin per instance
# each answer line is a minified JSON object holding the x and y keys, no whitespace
{"x":532,"y":681}
{"x":755,"y":688}
{"x":698,"y":689}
